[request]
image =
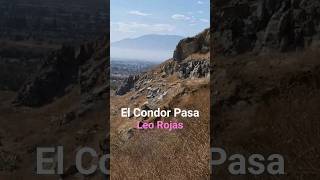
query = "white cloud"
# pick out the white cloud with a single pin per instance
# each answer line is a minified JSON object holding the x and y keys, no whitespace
{"x":180,"y":17}
{"x":139,"y":27}
{"x":191,"y":19}
{"x":200,"y":2}
{"x":204,"y":20}
{"x":139,"y":13}
{"x":200,"y":12}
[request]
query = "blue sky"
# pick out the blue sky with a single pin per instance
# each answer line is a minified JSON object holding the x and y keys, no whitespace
{"x":134,"y":18}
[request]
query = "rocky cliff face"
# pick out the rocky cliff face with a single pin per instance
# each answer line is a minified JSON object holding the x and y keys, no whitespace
{"x":63,"y":69}
{"x":266,"y":25}
{"x":188,"y":58}
{"x":186,"y":47}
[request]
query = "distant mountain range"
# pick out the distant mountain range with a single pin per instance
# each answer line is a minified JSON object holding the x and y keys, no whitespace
{"x":147,"y":47}
{"x":151,"y":41}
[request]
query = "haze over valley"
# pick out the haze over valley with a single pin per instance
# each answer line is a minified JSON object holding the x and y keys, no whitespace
{"x":151,"y":47}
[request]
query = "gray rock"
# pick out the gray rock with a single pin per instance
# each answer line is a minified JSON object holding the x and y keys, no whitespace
{"x":188,"y":46}
{"x":153,"y":92}
{"x":194,"y":69}
{"x":127,"y":85}
{"x":169,"y":68}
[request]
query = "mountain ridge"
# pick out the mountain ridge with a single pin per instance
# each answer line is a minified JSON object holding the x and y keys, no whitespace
{"x":150,"y":41}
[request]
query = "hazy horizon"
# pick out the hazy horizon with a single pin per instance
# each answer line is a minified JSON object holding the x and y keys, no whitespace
{"x":131,"y":20}
{"x":148,"y":47}
{"x":143,"y":55}
{"x":135,"y":37}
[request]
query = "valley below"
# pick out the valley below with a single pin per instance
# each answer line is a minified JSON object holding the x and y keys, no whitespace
{"x":122,"y":69}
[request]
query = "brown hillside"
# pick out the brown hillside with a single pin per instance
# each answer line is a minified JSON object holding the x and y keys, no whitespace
{"x":157,"y":153}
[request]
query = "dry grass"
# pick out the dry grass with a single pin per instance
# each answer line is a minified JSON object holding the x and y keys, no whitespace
{"x":23,"y":129}
{"x":158,"y":154}
{"x":281,"y":115}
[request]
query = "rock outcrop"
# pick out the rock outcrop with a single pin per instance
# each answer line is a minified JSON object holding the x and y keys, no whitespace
{"x":194,"y":69}
{"x":187,"y":61}
{"x":265,"y":25}
{"x":65,"y":68}
{"x":127,"y":85}
{"x":188,"y":46}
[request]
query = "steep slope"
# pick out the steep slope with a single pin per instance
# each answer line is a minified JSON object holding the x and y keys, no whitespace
{"x":265,"y":97}
{"x":157,"y":153}
{"x":62,"y":70}
{"x":71,"y":114}
{"x":268,"y":104}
